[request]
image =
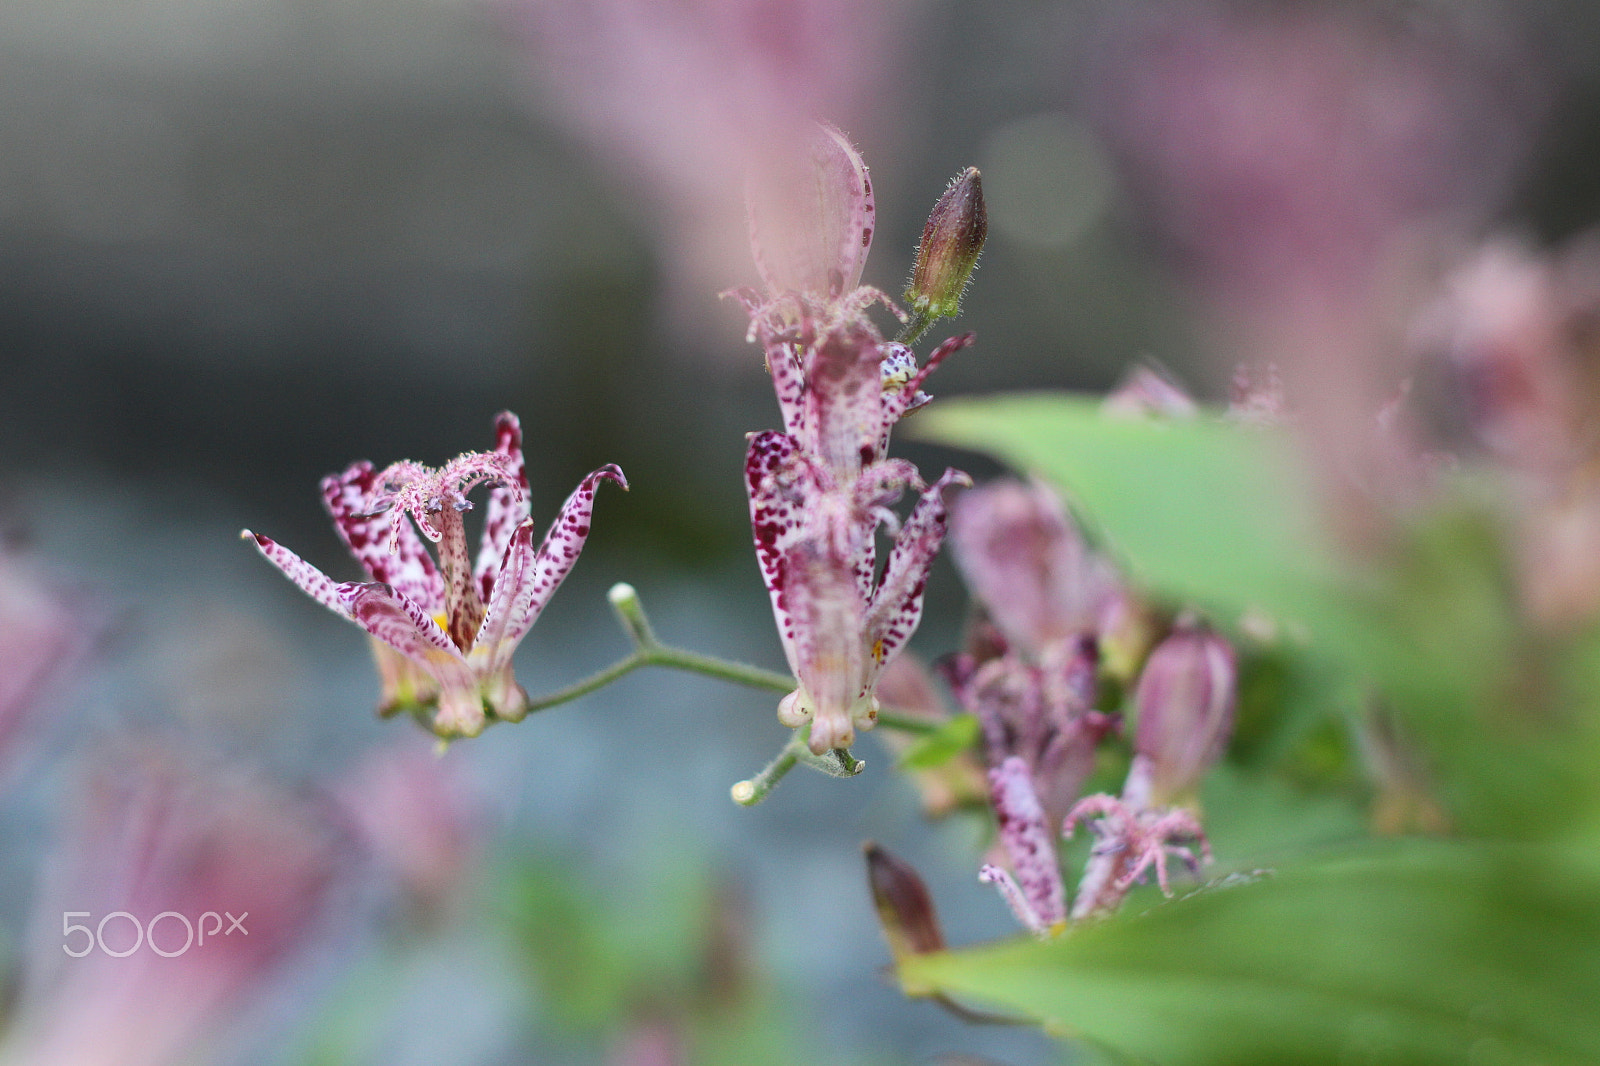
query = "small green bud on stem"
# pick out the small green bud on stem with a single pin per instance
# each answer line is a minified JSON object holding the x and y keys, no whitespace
{"x":951,"y":242}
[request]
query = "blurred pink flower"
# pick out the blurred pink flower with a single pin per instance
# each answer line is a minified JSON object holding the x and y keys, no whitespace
{"x":170,"y":847}
{"x":1306,"y":165}
{"x":689,"y":98}
{"x":1027,"y":563}
{"x":415,"y":817}
{"x":1515,"y":327}
{"x":43,"y":631}
{"x":1279,"y":147}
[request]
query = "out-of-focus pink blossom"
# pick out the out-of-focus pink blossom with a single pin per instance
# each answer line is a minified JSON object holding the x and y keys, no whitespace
{"x":1026,"y":561}
{"x":1508,"y":322}
{"x":1130,"y":841}
{"x":1516,"y":327}
{"x":1306,"y":166}
{"x":414,"y":817}
{"x":167,"y":844}
{"x":1283,"y":147}
{"x":1039,"y":712}
{"x":43,"y":630}
{"x":689,"y":99}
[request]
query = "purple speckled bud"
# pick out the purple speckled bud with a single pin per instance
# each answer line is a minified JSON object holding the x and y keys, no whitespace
{"x":1186,"y":698}
{"x":949,"y":250}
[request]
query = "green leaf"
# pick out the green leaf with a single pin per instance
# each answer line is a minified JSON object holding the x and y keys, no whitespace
{"x":1200,"y":509}
{"x":1416,"y":953}
{"x":1225,"y":516}
{"x":934,"y":749}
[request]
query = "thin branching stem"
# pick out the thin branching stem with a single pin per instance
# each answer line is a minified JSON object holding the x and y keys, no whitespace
{"x":648,"y":650}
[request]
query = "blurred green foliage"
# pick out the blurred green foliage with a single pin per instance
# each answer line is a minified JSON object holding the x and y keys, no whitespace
{"x":1484,"y":948}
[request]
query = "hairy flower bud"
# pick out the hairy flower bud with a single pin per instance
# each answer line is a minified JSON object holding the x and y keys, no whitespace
{"x":1185,"y":701}
{"x":904,"y":907}
{"x":949,"y":250}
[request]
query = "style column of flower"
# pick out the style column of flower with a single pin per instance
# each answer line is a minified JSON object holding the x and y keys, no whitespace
{"x":821,"y":489}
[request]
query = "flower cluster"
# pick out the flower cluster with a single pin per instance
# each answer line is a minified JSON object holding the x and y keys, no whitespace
{"x":444,"y":632}
{"x":821,"y":489}
{"x":1032,"y":679}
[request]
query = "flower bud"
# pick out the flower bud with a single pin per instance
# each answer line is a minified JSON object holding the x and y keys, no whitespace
{"x":904,"y":907}
{"x":949,"y":250}
{"x":1185,"y":701}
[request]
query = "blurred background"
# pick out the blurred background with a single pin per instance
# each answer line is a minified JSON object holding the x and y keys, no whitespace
{"x":244,"y":242}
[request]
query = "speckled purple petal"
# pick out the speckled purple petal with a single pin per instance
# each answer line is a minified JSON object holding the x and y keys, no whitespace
{"x":844,"y":399}
{"x":1028,"y":840}
{"x":513,"y":577}
{"x":508,"y":505}
{"x":409,"y":568}
{"x":897,"y":604}
{"x":314,"y":582}
{"x":834,"y":668}
{"x":553,"y":561}
{"x":785,"y":364}
{"x":395,"y":619}
{"x":774,"y":474}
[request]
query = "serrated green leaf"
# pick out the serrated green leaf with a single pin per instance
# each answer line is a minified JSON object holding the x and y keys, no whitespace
{"x":1407,"y":953}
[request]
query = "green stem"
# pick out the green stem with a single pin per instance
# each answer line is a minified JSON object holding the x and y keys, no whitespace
{"x":648,"y":650}
{"x":597,"y":680}
{"x":753,"y":790}
{"x":906,"y":723}
{"x":915,"y":327}
{"x":678,"y":659}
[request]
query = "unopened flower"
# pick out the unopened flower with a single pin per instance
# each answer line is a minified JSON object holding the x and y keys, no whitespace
{"x":951,"y":243}
{"x":1186,"y":699}
{"x":1026,"y":561}
{"x":904,"y":906}
{"x":444,"y":632}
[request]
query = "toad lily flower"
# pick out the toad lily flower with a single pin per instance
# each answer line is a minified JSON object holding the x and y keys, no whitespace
{"x":840,"y":620}
{"x":443,"y":633}
{"x":820,"y":490}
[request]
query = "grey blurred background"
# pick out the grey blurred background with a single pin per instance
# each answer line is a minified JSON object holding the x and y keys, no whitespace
{"x":244,"y":242}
